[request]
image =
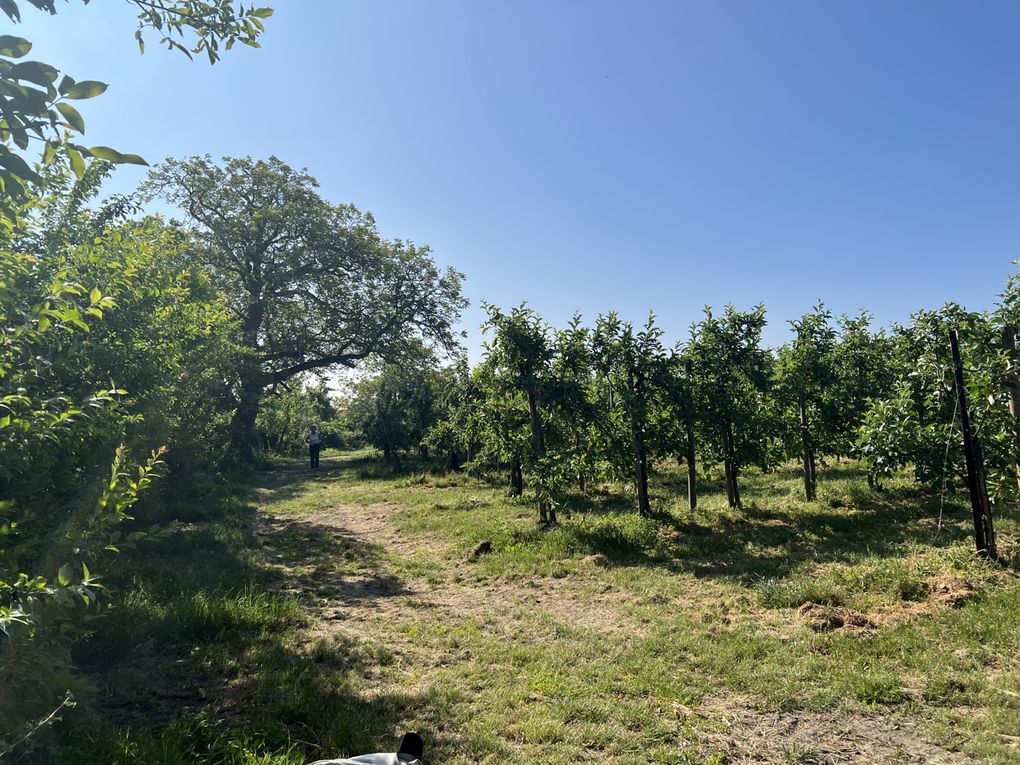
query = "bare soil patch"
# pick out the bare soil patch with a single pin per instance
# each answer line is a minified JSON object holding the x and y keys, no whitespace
{"x":822,"y":618}
{"x":834,"y":738}
{"x":950,"y":590}
{"x":363,"y":598}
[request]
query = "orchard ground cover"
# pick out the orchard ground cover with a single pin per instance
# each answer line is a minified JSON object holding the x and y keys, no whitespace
{"x":304,"y":615}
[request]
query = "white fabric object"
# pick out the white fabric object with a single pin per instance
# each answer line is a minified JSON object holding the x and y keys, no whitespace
{"x":369,"y":759}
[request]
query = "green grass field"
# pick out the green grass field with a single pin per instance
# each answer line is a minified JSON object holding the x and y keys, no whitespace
{"x":321,"y":614}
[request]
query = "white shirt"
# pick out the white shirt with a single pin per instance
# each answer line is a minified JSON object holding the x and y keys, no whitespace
{"x":369,"y":759}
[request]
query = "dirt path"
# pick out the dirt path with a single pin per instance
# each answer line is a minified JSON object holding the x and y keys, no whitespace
{"x":339,"y":559}
{"x":362,"y":597}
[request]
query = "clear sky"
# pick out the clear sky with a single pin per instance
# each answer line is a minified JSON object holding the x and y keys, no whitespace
{"x":630,"y":155}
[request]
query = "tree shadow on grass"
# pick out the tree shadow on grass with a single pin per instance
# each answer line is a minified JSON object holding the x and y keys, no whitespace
{"x":293,"y":479}
{"x":203,"y":636}
{"x":758,"y":541}
{"x":328,"y":562}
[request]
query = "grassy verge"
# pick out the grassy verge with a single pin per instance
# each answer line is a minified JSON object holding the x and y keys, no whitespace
{"x":607,"y":638}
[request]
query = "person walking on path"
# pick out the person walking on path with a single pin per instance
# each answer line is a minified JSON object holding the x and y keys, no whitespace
{"x":314,"y":439}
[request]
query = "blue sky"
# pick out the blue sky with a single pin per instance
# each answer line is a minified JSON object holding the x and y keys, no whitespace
{"x":628,"y":156}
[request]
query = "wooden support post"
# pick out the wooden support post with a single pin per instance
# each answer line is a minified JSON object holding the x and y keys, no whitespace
{"x":984,"y":534}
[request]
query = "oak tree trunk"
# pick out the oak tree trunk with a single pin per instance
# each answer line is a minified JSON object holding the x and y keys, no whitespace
{"x":243,"y":438}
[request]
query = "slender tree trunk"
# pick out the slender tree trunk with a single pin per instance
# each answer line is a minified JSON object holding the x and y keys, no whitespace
{"x":733,"y":491}
{"x":808,"y":456}
{"x":516,"y":478}
{"x":1013,"y":392}
{"x":641,"y":474}
{"x":582,"y":483}
{"x":727,"y":467}
{"x":637,"y":384}
{"x":692,"y":468}
{"x":546,"y":514}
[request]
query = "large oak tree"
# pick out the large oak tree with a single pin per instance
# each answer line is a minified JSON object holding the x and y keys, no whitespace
{"x":312,"y":284}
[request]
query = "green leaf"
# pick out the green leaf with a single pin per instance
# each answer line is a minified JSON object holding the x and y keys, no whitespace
{"x":76,"y":321}
{"x":11,"y":9}
{"x":77,"y":162}
{"x":262,"y":13}
{"x":18,"y":166}
{"x":112,"y":155}
{"x":10,"y":88}
{"x":85,"y":571}
{"x":72,"y":116}
{"x":86,"y":89}
{"x":64,"y":575}
{"x":95,"y":295}
{"x":34,"y":71}
{"x":14,"y":47}
{"x":66,"y":83}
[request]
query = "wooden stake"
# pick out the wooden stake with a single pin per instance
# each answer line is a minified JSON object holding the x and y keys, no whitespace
{"x":984,"y":534}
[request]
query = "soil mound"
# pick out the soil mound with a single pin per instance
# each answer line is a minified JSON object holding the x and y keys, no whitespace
{"x":822,"y":618}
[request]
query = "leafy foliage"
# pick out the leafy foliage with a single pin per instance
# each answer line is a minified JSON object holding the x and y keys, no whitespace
{"x":45,"y":551}
{"x":311,"y":285}
{"x":288,"y":412}
{"x":397,"y":405}
{"x":734,"y":374}
{"x":917,"y":426}
{"x":632,"y":381}
{"x":35,"y":104}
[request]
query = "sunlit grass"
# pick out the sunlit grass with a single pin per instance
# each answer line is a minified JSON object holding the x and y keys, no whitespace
{"x":620,"y":626}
